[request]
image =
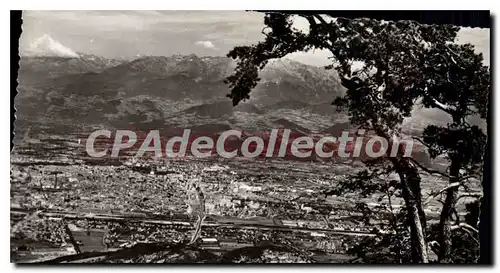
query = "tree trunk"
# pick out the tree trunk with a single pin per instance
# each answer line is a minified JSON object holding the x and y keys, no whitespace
{"x":410,"y":182}
{"x":416,"y":217}
{"x":446,"y":213}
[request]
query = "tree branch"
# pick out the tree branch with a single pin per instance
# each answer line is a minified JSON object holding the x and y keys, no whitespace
{"x":465,"y":226}
{"x":450,"y":186}
{"x":431,"y":171}
{"x":433,"y":195}
{"x":422,"y":142}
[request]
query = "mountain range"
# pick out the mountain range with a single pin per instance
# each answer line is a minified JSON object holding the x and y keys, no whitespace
{"x":71,"y":97}
{"x":76,"y":94}
{"x":68,"y":93}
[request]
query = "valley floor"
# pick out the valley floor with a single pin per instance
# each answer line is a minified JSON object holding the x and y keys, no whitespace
{"x":247,"y":203}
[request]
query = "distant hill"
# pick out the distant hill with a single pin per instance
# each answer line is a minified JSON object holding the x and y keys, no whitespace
{"x":337,"y":129}
{"x":286,"y":124}
{"x":287,"y":104}
{"x":36,"y":70}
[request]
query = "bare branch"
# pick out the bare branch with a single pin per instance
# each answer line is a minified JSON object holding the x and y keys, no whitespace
{"x":450,"y":186}
{"x":435,"y":194}
{"x":466,"y":227}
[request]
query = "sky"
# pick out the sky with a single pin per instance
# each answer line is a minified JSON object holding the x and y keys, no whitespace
{"x":128,"y":34}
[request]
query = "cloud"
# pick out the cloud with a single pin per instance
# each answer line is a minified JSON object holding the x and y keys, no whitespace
{"x":205,"y":44}
{"x":119,"y":34}
{"x":124,"y":34}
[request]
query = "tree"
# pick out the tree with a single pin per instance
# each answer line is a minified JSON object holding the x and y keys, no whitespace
{"x":458,"y":84}
{"x":395,"y":60}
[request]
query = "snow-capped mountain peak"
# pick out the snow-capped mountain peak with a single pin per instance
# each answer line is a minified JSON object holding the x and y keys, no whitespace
{"x":47,"y":46}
